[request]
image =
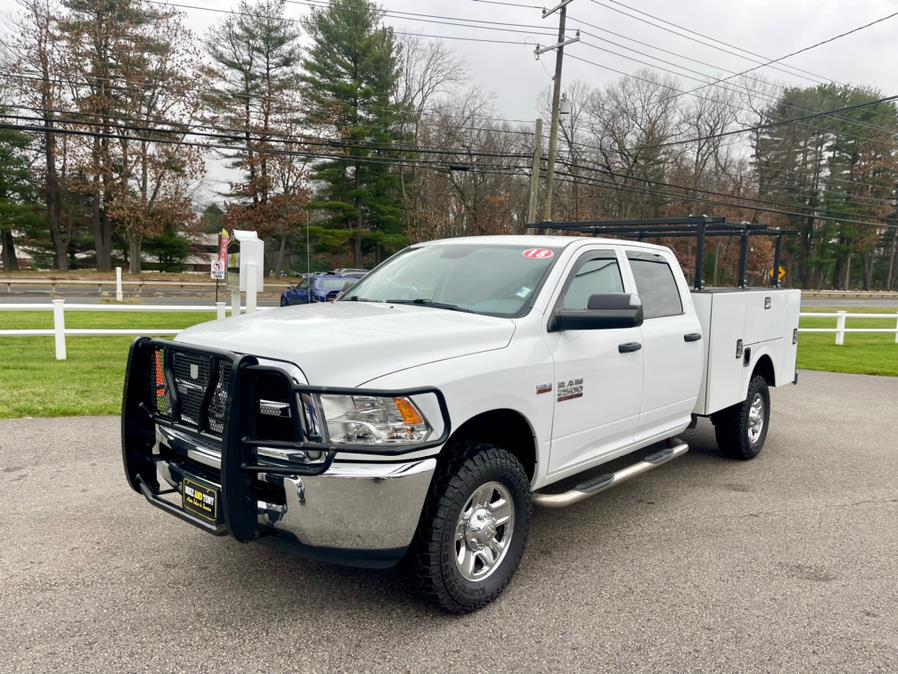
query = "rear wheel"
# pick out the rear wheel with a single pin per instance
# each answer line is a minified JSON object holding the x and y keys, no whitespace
{"x":742,"y":429}
{"x":474,"y":528}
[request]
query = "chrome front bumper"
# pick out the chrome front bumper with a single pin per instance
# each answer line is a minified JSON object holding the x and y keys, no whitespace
{"x":357,"y":506}
{"x":353,"y":507}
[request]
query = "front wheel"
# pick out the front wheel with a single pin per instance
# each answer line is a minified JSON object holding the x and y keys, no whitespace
{"x":741,"y":429}
{"x":474,"y":528}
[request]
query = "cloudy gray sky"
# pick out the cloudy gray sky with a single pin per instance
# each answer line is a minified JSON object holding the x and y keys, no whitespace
{"x":771,"y":29}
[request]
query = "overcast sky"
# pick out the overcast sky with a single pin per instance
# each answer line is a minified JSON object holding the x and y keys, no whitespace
{"x":772,"y":29}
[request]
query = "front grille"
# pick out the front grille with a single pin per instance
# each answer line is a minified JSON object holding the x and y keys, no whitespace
{"x":219,"y":401}
{"x":193,"y":375}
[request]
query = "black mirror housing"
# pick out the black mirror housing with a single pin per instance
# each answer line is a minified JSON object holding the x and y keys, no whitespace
{"x":604,"y":312}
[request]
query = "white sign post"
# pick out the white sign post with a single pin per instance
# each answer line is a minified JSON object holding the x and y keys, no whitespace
{"x":244,"y":269}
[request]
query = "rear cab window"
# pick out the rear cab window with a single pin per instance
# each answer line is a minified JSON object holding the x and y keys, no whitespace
{"x":656,"y":284}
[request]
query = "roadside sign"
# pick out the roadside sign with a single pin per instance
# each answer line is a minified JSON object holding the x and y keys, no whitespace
{"x":218,"y":269}
{"x":223,"y":240}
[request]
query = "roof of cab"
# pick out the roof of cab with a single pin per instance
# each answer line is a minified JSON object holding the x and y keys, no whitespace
{"x":538,"y":241}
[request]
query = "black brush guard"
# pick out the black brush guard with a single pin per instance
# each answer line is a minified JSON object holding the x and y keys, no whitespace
{"x":239,"y":439}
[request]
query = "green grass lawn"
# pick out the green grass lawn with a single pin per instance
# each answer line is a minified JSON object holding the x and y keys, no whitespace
{"x":33,"y":383}
{"x":861,"y":353}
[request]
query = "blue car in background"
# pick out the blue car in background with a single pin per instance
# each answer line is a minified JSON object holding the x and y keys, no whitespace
{"x":317,"y":288}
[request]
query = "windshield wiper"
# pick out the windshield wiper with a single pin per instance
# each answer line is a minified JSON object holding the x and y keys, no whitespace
{"x":424,"y":302}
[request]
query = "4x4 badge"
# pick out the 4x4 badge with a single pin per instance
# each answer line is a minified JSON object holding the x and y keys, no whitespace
{"x":543,"y":388}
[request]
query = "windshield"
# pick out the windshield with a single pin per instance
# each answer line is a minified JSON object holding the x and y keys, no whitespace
{"x":482,"y":279}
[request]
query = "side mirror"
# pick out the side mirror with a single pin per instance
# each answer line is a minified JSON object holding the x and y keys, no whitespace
{"x":603,"y":312}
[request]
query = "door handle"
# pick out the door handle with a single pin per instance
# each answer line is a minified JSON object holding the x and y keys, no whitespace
{"x":629,"y":347}
{"x":692,"y":336}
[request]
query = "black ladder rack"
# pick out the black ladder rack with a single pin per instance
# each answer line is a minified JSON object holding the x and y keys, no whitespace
{"x":698,"y":227}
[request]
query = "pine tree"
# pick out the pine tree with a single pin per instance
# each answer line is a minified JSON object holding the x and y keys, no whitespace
{"x":351,"y":70}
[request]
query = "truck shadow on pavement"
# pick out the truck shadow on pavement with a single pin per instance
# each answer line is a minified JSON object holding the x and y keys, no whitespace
{"x":263,"y":580}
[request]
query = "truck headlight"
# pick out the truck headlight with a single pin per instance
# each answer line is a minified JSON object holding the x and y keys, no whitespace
{"x":373,"y":420}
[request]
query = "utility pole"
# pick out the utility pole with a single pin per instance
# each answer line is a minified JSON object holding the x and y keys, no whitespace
{"x":556,"y":95}
{"x":534,"y":175}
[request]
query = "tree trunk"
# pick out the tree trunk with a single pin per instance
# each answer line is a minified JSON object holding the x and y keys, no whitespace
{"x":868,"y":271}
{"x":279,"y":263}
{"x":59,"y":239}
{"x":804,"y":264}
{"x":357,"y":249}
{"x":134,"y":247}
{"x":104,"y":253}
{"x":847,"y":278}
{"x":10,"y":263}
{"x":890,"y":277}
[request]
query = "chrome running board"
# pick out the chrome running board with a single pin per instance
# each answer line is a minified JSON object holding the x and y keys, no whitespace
{"x":598,"y":484}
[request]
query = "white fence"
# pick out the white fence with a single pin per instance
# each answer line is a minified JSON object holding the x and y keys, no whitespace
{"x":59,"y":331}
{"x":841,"y":318}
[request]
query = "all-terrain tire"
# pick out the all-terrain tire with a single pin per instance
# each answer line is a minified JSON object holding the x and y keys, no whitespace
{"x":470,"y":466}
{"x":736,"y":428}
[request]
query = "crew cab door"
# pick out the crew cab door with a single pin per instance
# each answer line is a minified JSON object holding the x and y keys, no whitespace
{"x":598,"y":372}
{"x":671,"y":340}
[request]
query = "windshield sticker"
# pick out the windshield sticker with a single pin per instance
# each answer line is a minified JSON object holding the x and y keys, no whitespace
{"x":570,"y":389}
{"x":524,"y":292}
{"x":538,"y":253}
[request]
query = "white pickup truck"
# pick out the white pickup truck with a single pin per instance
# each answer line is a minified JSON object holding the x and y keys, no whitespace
{"x":420,"y":416}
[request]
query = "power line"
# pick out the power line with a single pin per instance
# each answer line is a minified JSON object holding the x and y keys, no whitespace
{"x":260,"y":139}
{"x":228,"y":138}
{"x":741,"y":130}
{"x":748,"y":89}
{"x":809,"y":47}
{"x":448,"y":166}
{"x":572,"y":178}
{"x":352,"y":159}
{"x":600,"y":169}
{"x":744,"y":88}
{"x":423,"y":150}
{"x":508,"y":4}
{"x":690,"y":140}
{"x":36,"y":77}
{"x":808,"y":75}
{"x":446,"y":20}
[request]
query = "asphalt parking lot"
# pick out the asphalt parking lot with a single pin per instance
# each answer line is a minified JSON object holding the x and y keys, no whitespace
{"x":785,"y":563}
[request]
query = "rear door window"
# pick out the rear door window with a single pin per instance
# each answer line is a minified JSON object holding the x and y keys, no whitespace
{"x":655,"y":284}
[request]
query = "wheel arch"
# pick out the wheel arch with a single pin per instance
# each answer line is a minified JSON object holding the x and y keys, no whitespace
{"x":764,"y":367}
{"x":505,"y":428}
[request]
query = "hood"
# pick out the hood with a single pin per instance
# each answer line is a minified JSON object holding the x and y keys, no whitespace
{"x":350,"y":343}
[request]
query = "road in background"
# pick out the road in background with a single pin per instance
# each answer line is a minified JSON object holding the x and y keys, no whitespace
{"x":784,"y":563}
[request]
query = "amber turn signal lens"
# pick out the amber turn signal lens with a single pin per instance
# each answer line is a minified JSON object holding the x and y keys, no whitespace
{"x":409,"y":412}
